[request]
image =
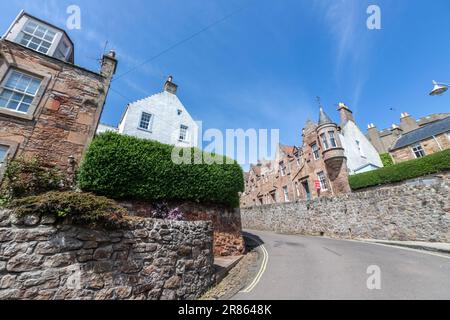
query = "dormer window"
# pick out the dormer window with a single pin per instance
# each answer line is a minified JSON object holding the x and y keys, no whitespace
{"x":324,"y":141}
{"x":62,"y":51}
{"x":37,"y":37}
{"x":41,"y":37}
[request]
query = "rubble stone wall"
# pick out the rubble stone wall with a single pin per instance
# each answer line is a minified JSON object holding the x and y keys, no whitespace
{"x":226,"y":222}
{"x":153,"y":259}
{"x":417,"y":211}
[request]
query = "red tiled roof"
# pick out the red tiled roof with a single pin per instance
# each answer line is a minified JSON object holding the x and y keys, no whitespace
{"x":289,"y":150}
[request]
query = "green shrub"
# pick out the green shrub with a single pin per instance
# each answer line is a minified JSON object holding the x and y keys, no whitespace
{"x":30,"y":177}
{"x":386,"y":159}
{"x":124,"y":167}
{"x":80,"y":208}
{"x":437,"y":162}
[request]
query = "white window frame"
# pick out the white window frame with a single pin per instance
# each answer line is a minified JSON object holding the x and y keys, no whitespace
{"x":332,"y":136}
{"x":3,"y":160}
{"x":361,"y":152}
{"x":33,"y":36}
{"x":297,"y":189}
{"x":418,"y":149}
{"x":185,"y":129}
{"x":286,"y":193}
{"x":150,"y":121}
{"x":315,"y":151}
{"x":23,"y":94}
{"x":323,"y":180}
{"x":283,"y":170}
{"x":323,"y":136}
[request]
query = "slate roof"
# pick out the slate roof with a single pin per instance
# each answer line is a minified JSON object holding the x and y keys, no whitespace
{"x":324,"y":118}
{"x":423,"y":133}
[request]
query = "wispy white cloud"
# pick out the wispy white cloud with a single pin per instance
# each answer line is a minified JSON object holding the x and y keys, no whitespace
{"x":345,"y":20}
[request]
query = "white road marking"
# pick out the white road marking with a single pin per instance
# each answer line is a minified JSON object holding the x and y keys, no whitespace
{"x":261,"y":270}
{"x":394,"y":246}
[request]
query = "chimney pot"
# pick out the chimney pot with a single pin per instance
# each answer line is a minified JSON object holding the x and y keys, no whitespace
{"x":169,"y":86}
{"x":112,"y":53}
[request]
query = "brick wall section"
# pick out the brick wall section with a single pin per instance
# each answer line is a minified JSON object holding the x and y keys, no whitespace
{"x":226,"y":223}
{"x":154,"y":259}
{"x":430,"y":146}
{"x":68,"y":111}
{"x":416,"y":212}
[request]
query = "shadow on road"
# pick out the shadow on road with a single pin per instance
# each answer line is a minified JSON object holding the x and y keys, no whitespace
{"x":252,"y":241}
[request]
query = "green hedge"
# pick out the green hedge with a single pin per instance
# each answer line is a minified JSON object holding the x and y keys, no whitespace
{"x":403,"y":171}
{"x":124,"y":167}
{"x":386,"y":159}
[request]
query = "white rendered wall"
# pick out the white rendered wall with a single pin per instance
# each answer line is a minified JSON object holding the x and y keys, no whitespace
{"x":355,"y":159}
{"x":165,"y":125}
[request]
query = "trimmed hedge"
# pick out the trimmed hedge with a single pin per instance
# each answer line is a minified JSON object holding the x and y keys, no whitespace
{"x":434,"y":163}
{"x":125,"y":167}
{"x":386,"y":159}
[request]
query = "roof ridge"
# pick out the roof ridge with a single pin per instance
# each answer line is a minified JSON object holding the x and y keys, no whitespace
{"x":146,"y":98}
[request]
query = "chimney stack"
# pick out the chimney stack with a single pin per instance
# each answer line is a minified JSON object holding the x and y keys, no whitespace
{"x":109,"y":64}
{"x":346,"y":113}
{"x":407,"y":123}
{"x":169,"y":86}
{"x":374,"y":138}
{"x":396,"y":130}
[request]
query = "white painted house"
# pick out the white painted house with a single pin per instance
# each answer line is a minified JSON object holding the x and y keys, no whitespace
{"x":361,"y":154}
{"x":161,"y":117}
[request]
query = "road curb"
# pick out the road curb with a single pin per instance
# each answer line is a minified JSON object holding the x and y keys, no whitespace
{"x":432,"y":247}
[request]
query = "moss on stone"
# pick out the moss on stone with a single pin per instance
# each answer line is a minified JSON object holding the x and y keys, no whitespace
{"x":76,"y":207}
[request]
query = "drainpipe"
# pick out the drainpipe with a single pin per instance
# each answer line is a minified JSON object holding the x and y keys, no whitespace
{"x":439,"y":145}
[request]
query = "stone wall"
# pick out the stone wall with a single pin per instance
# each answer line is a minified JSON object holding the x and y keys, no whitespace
{"x":153,"y":259}
{"x":412,"y":211}
{"x":226,"y":222}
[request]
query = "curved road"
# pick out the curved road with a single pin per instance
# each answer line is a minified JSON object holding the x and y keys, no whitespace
{"x":320,"y":268}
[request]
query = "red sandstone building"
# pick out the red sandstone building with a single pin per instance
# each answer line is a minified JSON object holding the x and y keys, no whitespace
{"x":317,"y":168}
{"x":412,"y":138}
{"x":49,"y":107}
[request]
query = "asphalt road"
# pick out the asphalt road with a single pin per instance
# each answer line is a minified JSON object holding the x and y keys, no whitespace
{"x":319,"y":268}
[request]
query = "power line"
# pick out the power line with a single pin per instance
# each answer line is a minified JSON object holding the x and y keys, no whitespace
{"x":182,"y":42}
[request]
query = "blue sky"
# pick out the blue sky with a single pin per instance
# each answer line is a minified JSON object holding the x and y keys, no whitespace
{"x":264,"y":66}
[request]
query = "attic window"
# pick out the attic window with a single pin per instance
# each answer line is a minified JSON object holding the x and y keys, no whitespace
{"x":37,"y":37}
{"x":179,"y":112}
